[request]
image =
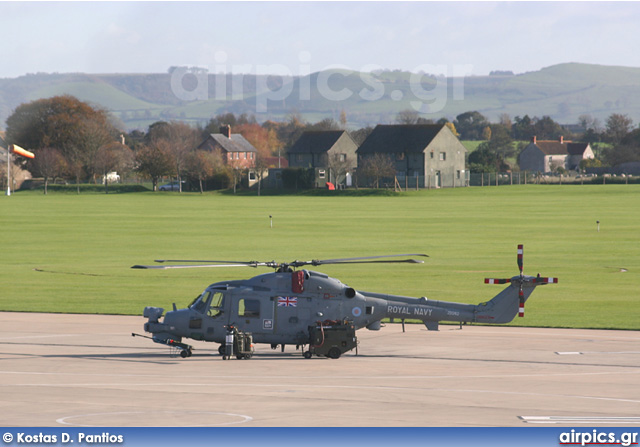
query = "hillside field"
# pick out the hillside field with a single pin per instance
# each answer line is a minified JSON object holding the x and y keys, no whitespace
{"x":71,"y":253}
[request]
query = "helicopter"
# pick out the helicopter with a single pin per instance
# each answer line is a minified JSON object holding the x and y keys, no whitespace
{"x":293,"y":306}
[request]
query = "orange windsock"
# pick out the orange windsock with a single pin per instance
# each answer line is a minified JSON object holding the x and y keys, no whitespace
{"x":18,"y":150}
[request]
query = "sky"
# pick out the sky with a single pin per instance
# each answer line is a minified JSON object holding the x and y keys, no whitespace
{"x":464,"y":38}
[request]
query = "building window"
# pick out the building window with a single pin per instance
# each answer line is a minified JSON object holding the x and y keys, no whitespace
{"x":230,"y":156}
{"x":251,"y":155}
{"x":244,"y":155}
{"x":400,"y":156}
{"x":443,"y":156}
{"x":252,"y":176}
{"x":431,"y":155}
{"x":342,"y":157}
{"x":458,"y":174}
{"x":237,"y":155}
{"x":321,"y":173}
{"x":299,"y":158}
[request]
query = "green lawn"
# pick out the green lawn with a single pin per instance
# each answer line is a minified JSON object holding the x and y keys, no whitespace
{"x":71,"y":253}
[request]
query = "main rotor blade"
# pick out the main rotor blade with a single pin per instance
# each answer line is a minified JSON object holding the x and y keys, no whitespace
{"x":366,"y":259}
{"x":250,"y":263}
{"x":162,"y":267}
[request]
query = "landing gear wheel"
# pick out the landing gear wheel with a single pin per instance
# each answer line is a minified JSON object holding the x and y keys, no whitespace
{"x":307,"y":354}
{"x":221,"y":350}
{"x":334,"y":353}
{"x":184,"y":353}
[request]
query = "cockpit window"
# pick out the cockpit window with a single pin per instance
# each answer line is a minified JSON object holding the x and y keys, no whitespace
{"x":200,"y":304}
{"x":209,"y":302}
{"x":217,"y":302}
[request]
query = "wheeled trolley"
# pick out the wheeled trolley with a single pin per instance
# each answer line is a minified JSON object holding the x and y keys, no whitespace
{"x":237,"y":343}
{"x":331,"y":338}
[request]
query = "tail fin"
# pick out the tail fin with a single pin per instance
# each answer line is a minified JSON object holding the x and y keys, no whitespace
{"x":507,"y":304}
{"x":504,"y":306}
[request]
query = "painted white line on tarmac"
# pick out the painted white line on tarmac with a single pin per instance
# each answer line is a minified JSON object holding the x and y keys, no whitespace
{"x":590,"y":420}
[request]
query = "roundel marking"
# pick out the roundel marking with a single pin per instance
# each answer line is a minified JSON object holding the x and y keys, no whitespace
{"x":356,"y":311}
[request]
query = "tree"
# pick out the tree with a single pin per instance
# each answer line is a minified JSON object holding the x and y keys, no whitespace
{"x":411,"y":116}
{"x":180,"y":138}
{"x":260,"y":165}
{"x":547,"y":129}
{"x":54,"y":122}
{"x":617,"y":127}
{"x":470,"y":125}
{"x":485,"y":159}
{"x":258,"y":136}
{"x":113,"y":156}
{"x":73,"y":127}
{"x":627,"y":150}
{"x":154,"y":161}
{"x":48,"y":164}
{"x":522,"y":129}
{"x":90,"y":138}
{"x":377,"y":166}
{"x":201,"y":165}
{"x":340,"y":165}
{"x":407,"y":116}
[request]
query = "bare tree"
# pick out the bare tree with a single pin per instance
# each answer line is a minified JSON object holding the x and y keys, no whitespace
{"x":377,"y":166}
{"x":340,"y":165}
{"x":112,"y":157}
{"x":48,"y":164}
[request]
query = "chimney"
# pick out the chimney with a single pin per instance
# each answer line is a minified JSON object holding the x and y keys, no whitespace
{"x":226,"y":130}
{"x":561,"y":139}
{"x":533,"y":139}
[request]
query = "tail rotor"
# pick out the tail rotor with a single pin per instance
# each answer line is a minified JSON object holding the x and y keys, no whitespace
{"x":521,"y":280}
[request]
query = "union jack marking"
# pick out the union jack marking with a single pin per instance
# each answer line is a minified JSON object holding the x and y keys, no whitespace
{"x":287,"y":301}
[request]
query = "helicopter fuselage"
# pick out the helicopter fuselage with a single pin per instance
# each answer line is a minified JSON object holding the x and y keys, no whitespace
{"x":278,"y":308}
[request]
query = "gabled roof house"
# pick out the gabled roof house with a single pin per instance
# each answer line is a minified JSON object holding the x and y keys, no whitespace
{"x":331,"y":153}
{"x":549,"y":155}
{"x":235,"y":149}
{"x":429,"y":154}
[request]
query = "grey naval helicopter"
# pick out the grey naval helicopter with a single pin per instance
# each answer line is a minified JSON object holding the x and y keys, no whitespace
{"x":308,"y":308}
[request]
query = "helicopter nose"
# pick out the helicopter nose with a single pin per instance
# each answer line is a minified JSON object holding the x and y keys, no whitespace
{"x":177,"y":320}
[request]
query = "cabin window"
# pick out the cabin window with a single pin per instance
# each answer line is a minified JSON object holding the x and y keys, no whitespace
{"x":249,"y":308}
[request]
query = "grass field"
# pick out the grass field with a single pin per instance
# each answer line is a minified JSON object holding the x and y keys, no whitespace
{"x":71,"y":253}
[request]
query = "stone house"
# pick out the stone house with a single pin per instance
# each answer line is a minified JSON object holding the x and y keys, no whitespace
{"x":331,"y":153}
{"x":424,"y":155}
{"x":549,"y":155}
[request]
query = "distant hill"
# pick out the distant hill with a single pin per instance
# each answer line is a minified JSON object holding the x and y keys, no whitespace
{"x":563,"y":92}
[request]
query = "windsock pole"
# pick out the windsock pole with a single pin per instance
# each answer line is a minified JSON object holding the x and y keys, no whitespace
{"x":8,"y":172}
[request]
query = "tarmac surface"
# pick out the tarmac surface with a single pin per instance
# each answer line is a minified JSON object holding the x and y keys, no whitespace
{"x":87,"y":370}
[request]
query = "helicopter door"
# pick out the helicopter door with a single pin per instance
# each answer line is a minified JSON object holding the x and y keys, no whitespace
{"x":252,"y":313}
{"x":293,"y":313}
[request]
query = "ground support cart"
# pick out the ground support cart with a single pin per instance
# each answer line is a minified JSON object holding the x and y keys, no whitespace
{"x":331,"y":339}
{"x":237,"y":343}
